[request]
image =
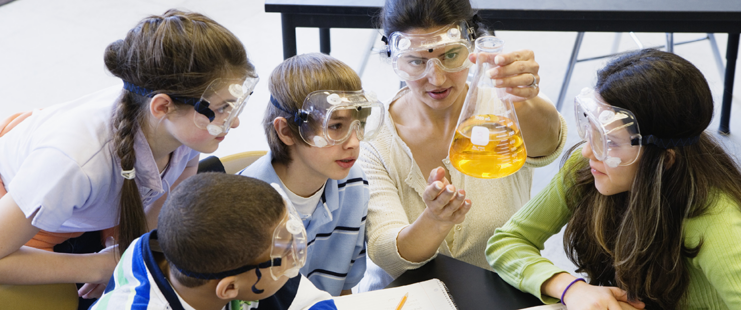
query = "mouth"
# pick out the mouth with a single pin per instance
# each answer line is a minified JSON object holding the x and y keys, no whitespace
{"x":439,"y":93}
{"x":595,"y":171}
{"x":220,"y":138}
{"x":346,"y":163}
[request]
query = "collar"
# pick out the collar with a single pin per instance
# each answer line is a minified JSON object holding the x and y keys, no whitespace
{"x":159,"y":278}
{"x":263,"y":169}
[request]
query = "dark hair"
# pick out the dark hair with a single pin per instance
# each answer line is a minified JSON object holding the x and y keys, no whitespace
{"x":608,"y":236}
{"x":403,"y":15}
{"x":290,"y":83}
{"x":177,"y":53}
{"x":214,"y":222}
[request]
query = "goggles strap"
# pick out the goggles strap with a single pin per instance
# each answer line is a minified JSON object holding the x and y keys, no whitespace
{"x":388,"y":48}
{"x":299,"y":117}
{"x":668,"y":143}
{"x":199,"y":105}
{"x":233,"y":272}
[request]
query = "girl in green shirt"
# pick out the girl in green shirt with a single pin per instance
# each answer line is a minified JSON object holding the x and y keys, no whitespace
{"x":652,"y":210}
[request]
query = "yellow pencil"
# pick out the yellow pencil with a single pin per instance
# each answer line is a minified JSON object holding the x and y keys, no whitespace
{"x":403,"y":300}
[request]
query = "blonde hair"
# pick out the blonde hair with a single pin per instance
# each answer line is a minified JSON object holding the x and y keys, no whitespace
{"x":290,"y":83}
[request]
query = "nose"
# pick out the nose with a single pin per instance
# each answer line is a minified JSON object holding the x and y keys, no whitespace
{"x":586,"y":151}
{"x":235,"y":122}
{"x":436,"y":76}
{"x":353,"y":141}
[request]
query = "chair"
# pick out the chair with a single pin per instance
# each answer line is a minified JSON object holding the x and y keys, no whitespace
{"x":669,"y":48}
{"x":230,"y":164}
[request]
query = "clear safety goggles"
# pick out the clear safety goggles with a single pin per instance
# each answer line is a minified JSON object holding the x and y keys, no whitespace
{"x":329,"y":117}
{"x":221,"y":103}
{"x":414,"y":55}
{"x":287,"y":252}
{"x":612,"y":132}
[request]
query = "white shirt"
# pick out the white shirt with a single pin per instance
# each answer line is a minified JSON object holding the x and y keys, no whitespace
{"x":61,"y":162}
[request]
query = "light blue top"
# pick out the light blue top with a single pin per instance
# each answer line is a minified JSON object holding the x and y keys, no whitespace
{"x":335,"y":231}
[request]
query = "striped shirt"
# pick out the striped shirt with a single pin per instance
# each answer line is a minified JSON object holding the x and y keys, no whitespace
{"x":335,"y":231}
{"x":139,"y":283}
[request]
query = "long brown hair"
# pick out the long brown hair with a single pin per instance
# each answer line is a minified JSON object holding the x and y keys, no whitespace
{"x":179,"y":54}
{"x":634,"y":240}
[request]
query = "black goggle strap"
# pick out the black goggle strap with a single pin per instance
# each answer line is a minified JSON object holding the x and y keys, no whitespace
{"x":299,"y":117}
{"x":666,"y":143}
{"x":199,"y":105}
{"x":388,"y":47}
{"x":233,"y":272}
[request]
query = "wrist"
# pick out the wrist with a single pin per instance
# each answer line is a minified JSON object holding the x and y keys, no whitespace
{"x":570,"y":285}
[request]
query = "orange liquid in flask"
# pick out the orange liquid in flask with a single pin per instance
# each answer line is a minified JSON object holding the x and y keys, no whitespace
{"x":503,"y":155}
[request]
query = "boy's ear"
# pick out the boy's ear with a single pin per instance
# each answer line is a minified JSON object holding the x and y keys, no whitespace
{"x":161,"y":105}
{"x":284,"y":133}
{"x":227,"y":288}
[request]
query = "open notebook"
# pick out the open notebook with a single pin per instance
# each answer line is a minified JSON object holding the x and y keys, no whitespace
{"x":428,"y":295}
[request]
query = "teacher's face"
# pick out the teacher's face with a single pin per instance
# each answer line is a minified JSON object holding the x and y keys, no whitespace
{"x":438,"y":89}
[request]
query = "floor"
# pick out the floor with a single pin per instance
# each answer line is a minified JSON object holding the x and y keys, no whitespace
{"x":51,"y":51}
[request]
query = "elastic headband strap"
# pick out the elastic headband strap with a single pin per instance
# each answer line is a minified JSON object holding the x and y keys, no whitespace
{"x":200,"y":105}
{"x":229,"y":273}
{"x":298,"y":117}
{"x":669,"y":143}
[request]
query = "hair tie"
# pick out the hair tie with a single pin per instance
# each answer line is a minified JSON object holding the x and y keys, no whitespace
{"x":128,"y":174}
{"x":569,"y":286}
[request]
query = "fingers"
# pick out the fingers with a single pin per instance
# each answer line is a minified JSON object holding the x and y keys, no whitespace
{"x":521,"y":80}
{"x":437,"y":174}
{"x":621,"y":295}
{"x":91,"y":290}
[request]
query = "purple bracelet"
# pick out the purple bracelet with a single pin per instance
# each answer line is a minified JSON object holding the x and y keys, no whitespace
{"x":567,"y":288}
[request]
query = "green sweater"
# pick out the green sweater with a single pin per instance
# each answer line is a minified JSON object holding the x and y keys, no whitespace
{"x":715,"y":273}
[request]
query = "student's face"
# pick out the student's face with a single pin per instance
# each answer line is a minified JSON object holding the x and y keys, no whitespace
{"x":610,"y":181}
{"x":266,"y":282}
{"x":438,"y":89}
{"x":183,"y":128}
{"x":330,"y":162}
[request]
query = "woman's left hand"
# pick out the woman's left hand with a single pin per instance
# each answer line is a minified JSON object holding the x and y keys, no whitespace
{"x":517,"y":72}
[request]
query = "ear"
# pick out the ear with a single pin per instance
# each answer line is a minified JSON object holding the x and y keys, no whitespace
{"x":227,"y":288}
{"x":161,"y":105}
{"x":284,"y":133}
{"x":670,"y":160}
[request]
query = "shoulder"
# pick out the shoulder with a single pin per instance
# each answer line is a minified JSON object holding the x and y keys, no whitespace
{"x":261,"y":169}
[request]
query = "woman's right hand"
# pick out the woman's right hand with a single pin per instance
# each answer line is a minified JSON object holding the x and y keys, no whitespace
{"x":445,"y":205}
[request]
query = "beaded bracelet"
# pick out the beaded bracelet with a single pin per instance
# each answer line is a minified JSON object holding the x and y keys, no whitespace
{"x":567,"y":288}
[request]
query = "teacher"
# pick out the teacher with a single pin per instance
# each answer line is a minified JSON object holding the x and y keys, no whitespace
{"x":418,"y":206}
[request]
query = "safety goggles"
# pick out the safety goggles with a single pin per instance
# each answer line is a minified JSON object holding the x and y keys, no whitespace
{"x":287,"y":252}
{"x":221,"y":103}
{"x":414,"y":55}
{"x":329,"y":117}
{"x":612,"y":132}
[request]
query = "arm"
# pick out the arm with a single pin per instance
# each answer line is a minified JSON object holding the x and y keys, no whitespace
{"x":387,"y":218}
{"x":719,"y":258}
{"x":514,"y":249}
{"x":153,"y":211}
{"x":24,"y":265}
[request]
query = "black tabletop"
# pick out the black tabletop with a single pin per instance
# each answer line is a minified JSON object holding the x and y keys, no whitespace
{"x":472,"y":287}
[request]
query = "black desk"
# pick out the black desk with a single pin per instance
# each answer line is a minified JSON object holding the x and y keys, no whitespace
{"x":542,"y":15}
{"x":472,"y":288}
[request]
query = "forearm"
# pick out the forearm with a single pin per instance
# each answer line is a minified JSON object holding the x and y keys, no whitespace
{"x":33,"y":266}
{"x":555,"y":286}
{"x":540,"y":125}
{"x":420,"y":240}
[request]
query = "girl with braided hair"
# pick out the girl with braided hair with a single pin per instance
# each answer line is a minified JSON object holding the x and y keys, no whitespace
{"x":108,"y":160}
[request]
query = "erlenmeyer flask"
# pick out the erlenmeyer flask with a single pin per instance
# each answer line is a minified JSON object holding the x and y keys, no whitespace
{"x":488,"y":143}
